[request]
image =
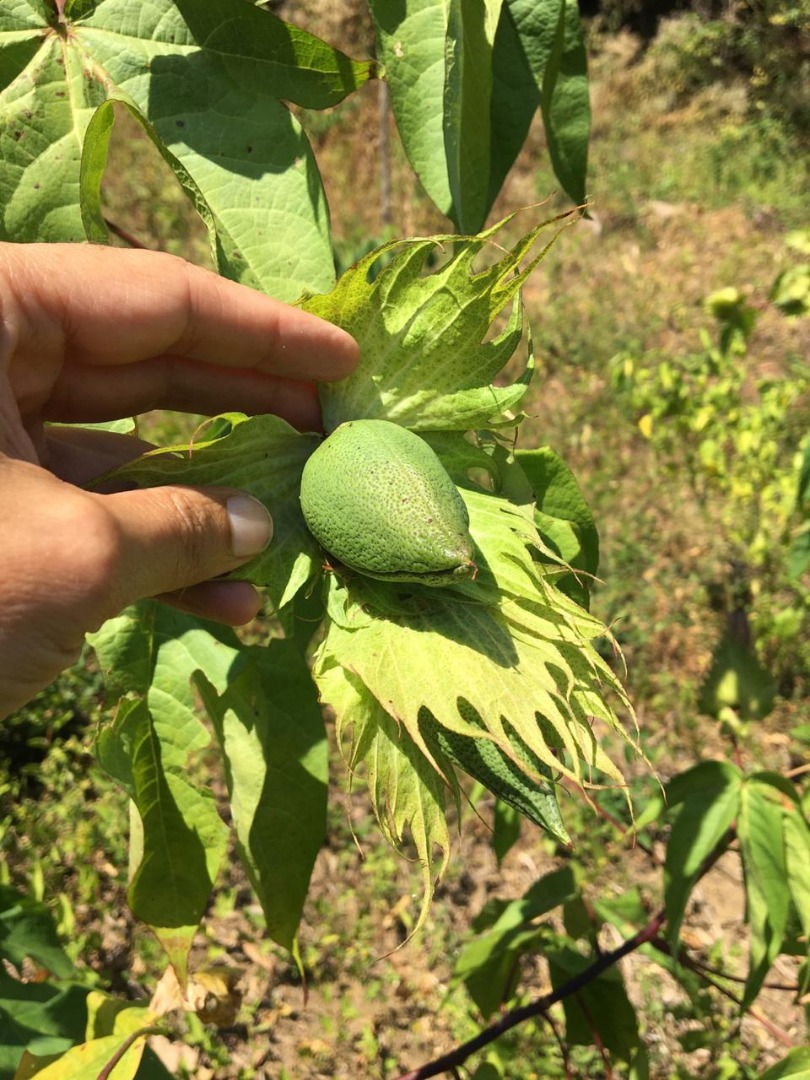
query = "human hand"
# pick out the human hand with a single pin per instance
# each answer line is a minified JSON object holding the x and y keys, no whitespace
{"x":92,"y":334}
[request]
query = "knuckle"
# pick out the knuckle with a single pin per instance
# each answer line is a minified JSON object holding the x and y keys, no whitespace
{"x":194,"y":527}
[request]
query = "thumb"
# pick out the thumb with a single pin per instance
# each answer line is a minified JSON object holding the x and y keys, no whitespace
{"x":172,"y":538}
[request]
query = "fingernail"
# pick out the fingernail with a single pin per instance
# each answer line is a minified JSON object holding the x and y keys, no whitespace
{"x":251,"y":525}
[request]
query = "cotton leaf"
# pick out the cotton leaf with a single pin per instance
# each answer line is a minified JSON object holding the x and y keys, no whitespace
{"x":272,"y":736}
{"x":209,"y":83}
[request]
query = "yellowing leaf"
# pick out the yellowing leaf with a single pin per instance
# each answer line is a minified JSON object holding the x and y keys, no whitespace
{"x":89,"y":1059}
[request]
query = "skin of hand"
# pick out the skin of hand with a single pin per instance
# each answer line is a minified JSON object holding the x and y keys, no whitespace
{"x":91,"y":334}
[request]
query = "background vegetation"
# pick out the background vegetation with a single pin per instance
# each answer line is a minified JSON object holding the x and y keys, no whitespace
{"x":672,"y":335}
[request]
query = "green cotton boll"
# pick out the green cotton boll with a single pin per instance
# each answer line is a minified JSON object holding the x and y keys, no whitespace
{"x":380,"y":502}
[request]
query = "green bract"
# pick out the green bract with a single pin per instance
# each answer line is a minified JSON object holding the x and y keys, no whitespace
{"x":378,"y":499}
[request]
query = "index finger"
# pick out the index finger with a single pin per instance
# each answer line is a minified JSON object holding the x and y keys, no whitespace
{"x":106,"y":306}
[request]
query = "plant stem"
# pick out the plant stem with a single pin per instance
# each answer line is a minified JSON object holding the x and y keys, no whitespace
{"x":122,"y":1049}
{"x":648,"y":934}
{"x":708,"y":976}
{"x":385,"y":155}
{"x":597,"y":1038}
{"x":704,"y":969}
{"x":539,"y":1006}
{"x":122,"y":234}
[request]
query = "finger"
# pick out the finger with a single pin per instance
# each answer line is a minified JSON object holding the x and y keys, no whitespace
{"x":83,"y":393}
{"x":123,"y":306}
{"x":72,"y":560}
{"x":79,"y":455}
{"x":231,"y":602}
{"x":167,"y":539}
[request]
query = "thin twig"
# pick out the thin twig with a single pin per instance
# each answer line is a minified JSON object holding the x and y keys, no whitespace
{"x":385,"y":156}
{"x":624,"y":830}
{"x":597,"y":1038}
{"x":564,"y":1051}
{"x":540,"y":1005}
{"x":130,"y":1040}
{"x":122,"y":234}
{"x":769,"y":1026}
{"x":686,"y":961}
{"x":704,"y":969}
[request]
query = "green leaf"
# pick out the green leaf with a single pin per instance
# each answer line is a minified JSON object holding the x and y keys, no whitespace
{"x":263,"y":707}
{"x":487,"y":965}
{"x":795,"y":1066}
{"x":791,"y":291}
{"x":265,"y":457}
{"x":411,"y":40}
{"x":424,"y":362}
{"x":271,"y":731}
{"x":640,"y":1066}
{"x":529,"y":789}
{"x":708,"y":798}
{"x":466,"y":78}
{"x":565,"y":105}
{"x":505,"y":829}
{"x":108,"y":1015}
{"x":155,"y":747}
{"x":558,"y":497}
{"x":599,"y":1008}
{"x":516,"y":92}
{"x":126,"y":426}
{"x":563,"y":518}
{"x":540,"y":60}
{"x":627,"y":911}
{"x":94,"y":162}
{"x":209,"y":82}
{"x":95,"y":149}
{"x":257,"y":50}
{"x":467,"y":97}
{"x":40,"y":1015}
{"x":27,"y":931}
{"x":736,"y":680}
{"x":803,"y":489}
{"x":487,"y":1070}
{"x":759,"y":828}
{"x":45,"y":103}
{"x":798,"y":557}
{"x":797,"y":858}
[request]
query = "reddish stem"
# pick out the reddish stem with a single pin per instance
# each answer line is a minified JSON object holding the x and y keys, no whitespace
{"x":122,"y":234}
{"x":597,"y":1038}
